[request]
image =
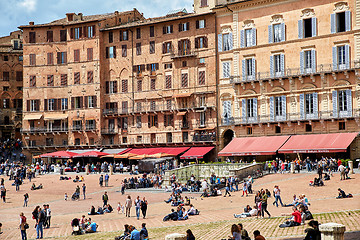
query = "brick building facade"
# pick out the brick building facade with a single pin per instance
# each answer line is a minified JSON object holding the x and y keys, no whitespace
{"x":11,"y":83}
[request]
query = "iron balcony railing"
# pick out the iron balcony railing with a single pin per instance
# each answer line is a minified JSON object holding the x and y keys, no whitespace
{"x":90,"y":127}
{"x":295,"y":72}
{"x":45,"y":130}
{"x":208,"y":137}
{"x":109,"y":131}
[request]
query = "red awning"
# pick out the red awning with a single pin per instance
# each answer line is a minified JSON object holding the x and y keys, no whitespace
{"x":318,"y":143}
{"x":251,"y":146}
{"x":59,"y":154}
{"x":94,"y":154}
{"x":150,"y":151}
{"x":196,"y":152}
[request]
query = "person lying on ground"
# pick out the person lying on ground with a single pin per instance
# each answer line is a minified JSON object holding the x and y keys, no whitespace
{"x":172,"y":216}
{"x":108,"y":208}
{"x":294,"y":202}
{"x":342,"y":194}
{"x":33,"y":187}
{"x":65,"y":178}
{"x":248,"y":212}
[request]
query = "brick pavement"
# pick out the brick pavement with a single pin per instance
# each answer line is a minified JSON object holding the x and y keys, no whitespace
{"x":213,"y":210}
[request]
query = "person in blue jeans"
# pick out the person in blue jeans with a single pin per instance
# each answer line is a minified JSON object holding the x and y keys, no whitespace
{"x":277,"y":196}
{"x":137,"y":206}
{"x":39,"y":223}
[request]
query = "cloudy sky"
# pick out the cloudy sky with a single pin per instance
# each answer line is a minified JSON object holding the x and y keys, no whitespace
{"x":19,"y":12}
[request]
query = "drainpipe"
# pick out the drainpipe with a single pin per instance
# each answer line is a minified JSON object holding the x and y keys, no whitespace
{"x":132,"y":74}
{"x":217,"y":89}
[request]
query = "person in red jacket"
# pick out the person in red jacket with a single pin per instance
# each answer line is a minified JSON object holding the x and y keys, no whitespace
{"x":295,"y":220}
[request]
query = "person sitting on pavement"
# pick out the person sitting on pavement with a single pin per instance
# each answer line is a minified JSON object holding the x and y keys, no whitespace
{"x":192,"y":211}
{"x":92,"y":211}
{"x":172,"y":216}
{"x":313,"y":233}
{"x":295,"y":220}
{"x":342,"y":194}
{"x":100,"y":210}
{"x":91,"y":228}
{"x":248,"y":212}
{"x":187,"y":201}
{"x":135,"y":234}
{"x":294,"y":202}
{"x":108,"y":208}
{"x":144,"y":232}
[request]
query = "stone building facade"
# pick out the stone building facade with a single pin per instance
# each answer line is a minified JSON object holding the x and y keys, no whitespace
{"x":288,"y":68}
{"x":11,"y":83}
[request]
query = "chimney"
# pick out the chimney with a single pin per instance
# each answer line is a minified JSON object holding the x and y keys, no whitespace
{"x":80,"y":15}
{"x":70,"y":17}
{"x":31,"y":23}
{"x":116,"y":12}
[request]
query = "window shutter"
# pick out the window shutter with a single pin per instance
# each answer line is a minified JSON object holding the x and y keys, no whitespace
{"x":114,"y":50}
{"x":283,"y":34}
{"x":347,"y":56}
{"x":335,"y":104}
{"x":230,"y":41}
{"x":255,"y":109}
{"x":282,"y":64}
{"x":219,"y":42}
{"x":164,"y":29}
{"x":196,"y":43}
{"x":242,"y":38}
{"x":253,"y":68}
{"x":59,"y":58}
{"x":302,"y":106}
{"x":80,"y":32}
{"x":283,"y":106}
{"x":243,"y":110}
{"x":149,"y":124}
{"x":349,"y":102}
{"x":197,"y":24}
{"x":300,"y":29}
{"x":254,"y":37}
{"x":86,"y":101}
{"x":45,"y":104}
{"x":313,"y":26}
{"x":180,"y":27}
{"x":73,"y":103}
{"x":333,"y":23}
{"x":188,"y":45}
{"x":37,"y":105}
{"x":85,"y":32}
{"x":270,"y":32}
{"x":95,"y":101}
{"x":171,"y":28}
{"x":115,"y":90}
{"x":107,"y":86}
{"x":272,"y":116}
{"x":163,"y":48}
{"x":316,"y":106}
{"x":188,"y":26}
{"x":107,"y":52}
{"x":272,"y":66}
{"x":121,"y":36}
{"x":335,"y":60}
{"x":313,"y":60}
{"x":28,"y":105}
{"x":243,"y":66}
{"x":81,"y":102}
{"x":205,"y":42}
{"x":302,"y":65}
{"x":347,"y":21}
{"x":72,"y":33}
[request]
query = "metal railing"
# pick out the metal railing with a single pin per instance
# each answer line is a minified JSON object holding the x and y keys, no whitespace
{"x":209,"y":137}
{"x":91,"y":127}
{"x":45,"y":130}
{"x":109,"y":131}
{"x":295,"y":72}
{"x":183,"y":53}
{"x":77,"y":128}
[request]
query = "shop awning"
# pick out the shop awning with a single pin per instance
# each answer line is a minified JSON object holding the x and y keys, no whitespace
{"x":55,"y":116}
{"x":150,"y":151}
{"x":59,"y":154}
{"x":251,"y":146}
{"x":196,"y":152}
{"x":182,"y":95}
{"x":318,"y":143}
{"x":32,"y":117}
{"x":93,"y":154}
{"x":115,"y":150}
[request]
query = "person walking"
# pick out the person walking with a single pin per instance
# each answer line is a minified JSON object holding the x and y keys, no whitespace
{"x":106,"y":180}
{"x":26,"y":199}
{"x":277,"y":196}
{"x":101,"y":180}
{"x":84,"y":190}
{"x":3,"y":193}
{"x":137,"y":203}
{"x":245,"y":189}
{"x":23,"y":226}
{"x":128,"y":205}
{"x":39,"y":223}
{"x":227,"y":190}
{"x":122,"y":187}
{"x":105,"y":199}
{"x":144,"y":204}
{"x":17,"y":184}
{"x":48,"y":216}
{"x":264,"y":198}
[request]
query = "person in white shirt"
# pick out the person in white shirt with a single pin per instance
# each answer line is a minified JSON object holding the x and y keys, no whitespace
{"x":277,"y":196}
{"x":249,"y":212}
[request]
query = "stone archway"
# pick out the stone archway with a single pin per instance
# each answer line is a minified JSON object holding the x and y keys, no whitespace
{"x":227,"y":137}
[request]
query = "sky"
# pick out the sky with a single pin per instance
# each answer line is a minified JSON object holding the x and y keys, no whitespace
{"x":20,"y":12}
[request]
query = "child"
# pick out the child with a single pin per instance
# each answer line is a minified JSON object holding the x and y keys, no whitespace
{"x":66,"y":197}
{"x":119,"y":206}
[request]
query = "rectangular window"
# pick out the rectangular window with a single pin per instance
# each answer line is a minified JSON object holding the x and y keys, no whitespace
{"x":124,"y":85}
{"x":152,"y":31}
{"x":138,"y":107}
{"x":308,"y":31}
{"x":6,"y":76}
{"x":124,"y":106}
{"x":184,"y":47}
{"x":61,"y":58}
{"x":34,"y":105}
{"x":168,"y":120}
{"x":77,"y":78}
{"x":78,"y":102}
{"x":184,"y":27}
{"x":91,"y":101}
{"x":249,"y":130}
{"x":49,"y":36}
{"x":111,"y":87}
{"x":63,"y":34}
{"x":152,"y":47}
{"x":50,"y":58}
{"x":90,"y":77}
{"x":309,"y":103}
{"x":90,"y":31}
{"x":111,"y":37}
{"x":248,"y":37}
{"x":138,"y":48}
{"x":32,"y":81}
{"x":124,"y":50}
{"x":76,"y":55}
{"x":32,"y":59}
{"x":138,"y":121}
{"x":111,"y":52}
{"x":77,"y":125}
{"x":77,"y":33}
{"x":250,"y":108}
{"x":277,"y":32}
{"x":277,"y":64}
{"x":124,"y":35}
{"x":19,"y":76}
{"x":203,"y":3}
{"x":51,"y":104}
{"x":64,"y":104}
{"x":90,"y":125}
{"x":32,"y":37}
{"x":169,"y":138}
{"x":278,"y":106}
{"x":202,"y":119}
{"x":201,"y":77}
{"x":63,"y":79}
{"x":200,"y":24}
{"x":167,"y":65}
{"x":342,"y":101}
{"x":50,"y":80}
{"x":184,"y":80}
{"x":226,"y":42}
{"x":168,"y":29}
{"x":153,"y":121}
{"x":341,"y":57}
{"x":153,"y":84}
{"x":308,"y":61}
{"x":201,"y":42}
{"x":249,"y":67}
{"x":226,"y":69}
{"x":168,"y":104}
{"x":89,"y":54}
{"x":152,"y":106}
{"x":168,"y":81}
{"x":340,"y":22}
{"x":342,"y":126}
{"x":167,"y":47}
{"x":138,"y":33}
{"x":139,"y":85}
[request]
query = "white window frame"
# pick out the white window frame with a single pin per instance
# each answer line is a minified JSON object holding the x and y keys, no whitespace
{"x":248,"y":37}
{"x":202,"y":119}
{"x":309,"y":104}
{"x":201,"y":23}
{"x":249,"y":68}
{"x":250,"y":108}
{"x":33,"y":106}
{"x":308,"y":61}
{"x":341,"y":57}
{"x":226,"y":42}
{"x":277,"y":34}
{"x":278,"y":106}
{"x":77,"y":33}
{"x":111,"y":87}
{"x":342,"y":101}
{"x":51,"y":104}
{"x":64,"y":104}
{"x":277,"y":65}
{"x":90,"y":32}
{"x":91,"y":102}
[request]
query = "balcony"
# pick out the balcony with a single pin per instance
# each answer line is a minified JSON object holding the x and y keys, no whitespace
{"x":156,"y":108}
{"x":183,"y":54}
{"x":111,"y":111}
{"x":109,"y":131}
{"x":77,"y":128}
{"x":321,"y":115}
{"x":91,"y":127}
{"x":45,"y":130}
{"x":207,"y":137}
{"x":295,"y":72}
{"x":184,"y":124}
